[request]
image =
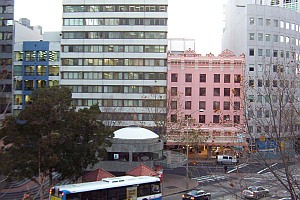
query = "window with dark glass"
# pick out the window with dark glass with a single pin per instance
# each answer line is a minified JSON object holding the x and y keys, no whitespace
{"x":173,"y":91}
{"x":226,"y":78}
{"x":173,"y":118}
{"x":202,"y":78}
{"x":216,"y":105}
{"x":275,"y":68}
{"x":188,"y":91}
{"x":236,"y":119}
{"x":226,"y":92}
{"x":202,"y":92}
{"x":216,"y":91}
{"x":226,"y":105}
{"x":226,"y":118}
{"x":237,"y":92}
{"x":251,"y":52}
{"x":237,"y":105}
{"x":251,"y":83}
{"x":259,"y":83}
{"x":188,"y":105}
{"x":216,"y":119}
{"x":202,"y":119}
{"x":216,"y":78}
{"x":202,"y":105}
{"x":188,"y":77}
{"x":174,"y":77}
{"x":173,"y":104}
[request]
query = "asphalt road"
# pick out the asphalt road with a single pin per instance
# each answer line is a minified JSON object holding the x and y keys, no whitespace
{"x":229,"y":186}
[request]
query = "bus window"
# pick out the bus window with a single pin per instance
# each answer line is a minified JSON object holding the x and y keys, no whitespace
{"x":155,"y":188}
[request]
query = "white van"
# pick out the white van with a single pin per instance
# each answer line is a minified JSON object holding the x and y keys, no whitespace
{"x":225,"y":159}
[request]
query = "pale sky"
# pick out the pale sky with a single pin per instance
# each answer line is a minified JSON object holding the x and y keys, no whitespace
{"x":202,"y":20}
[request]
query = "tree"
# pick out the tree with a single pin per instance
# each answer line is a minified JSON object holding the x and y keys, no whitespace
{"x":272,"y":113}
{"x":49,"y":137}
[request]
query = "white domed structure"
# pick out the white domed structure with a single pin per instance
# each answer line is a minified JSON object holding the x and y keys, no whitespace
{"x":134,"y":133}
{"x":131,"y":147}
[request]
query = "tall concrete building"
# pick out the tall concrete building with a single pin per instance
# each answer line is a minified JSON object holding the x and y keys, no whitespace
{"x":6,"y":54}
{"x":114,"y":54}
{"x":268,"y":33}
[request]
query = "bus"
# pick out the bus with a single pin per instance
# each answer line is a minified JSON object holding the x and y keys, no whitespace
{"x":116,"y":188}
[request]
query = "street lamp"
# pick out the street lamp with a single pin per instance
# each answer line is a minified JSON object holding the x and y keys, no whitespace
{"x":187,"y":146}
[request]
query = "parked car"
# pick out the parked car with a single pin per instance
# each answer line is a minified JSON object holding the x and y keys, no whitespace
{"x":196,"y":195}
{"x":226,"y":159}
{"x":255,"y":192}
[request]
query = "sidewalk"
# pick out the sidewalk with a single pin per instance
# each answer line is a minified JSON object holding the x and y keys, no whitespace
{"x":174,"y":184}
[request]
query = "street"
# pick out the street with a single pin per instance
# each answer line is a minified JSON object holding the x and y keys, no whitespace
{"x":212,"y":179}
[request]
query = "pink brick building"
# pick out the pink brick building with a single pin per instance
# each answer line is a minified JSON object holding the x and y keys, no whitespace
{"x":205,"y":100}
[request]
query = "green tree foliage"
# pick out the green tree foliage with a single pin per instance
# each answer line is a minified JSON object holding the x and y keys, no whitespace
{"x":50,"y":136}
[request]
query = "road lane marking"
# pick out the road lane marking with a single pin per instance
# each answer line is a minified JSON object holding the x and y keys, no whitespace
{"x":266,"y":168}
{"x":238,"y":167}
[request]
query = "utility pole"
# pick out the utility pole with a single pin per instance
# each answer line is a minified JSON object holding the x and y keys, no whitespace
{"x":187,"y":147}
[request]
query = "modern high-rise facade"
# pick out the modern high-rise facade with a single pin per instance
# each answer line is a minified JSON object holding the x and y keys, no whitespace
{"x":269,"y":36}
{"x":36,"y":63}
{"x":288,"y":4}
{"x":114,"y":54}
{"x":6,"y":54}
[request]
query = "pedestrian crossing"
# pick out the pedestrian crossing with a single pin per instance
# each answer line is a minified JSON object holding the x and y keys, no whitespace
{"x":210,"y":178}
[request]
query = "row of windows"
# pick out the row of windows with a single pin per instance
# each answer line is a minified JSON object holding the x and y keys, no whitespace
{"x":114,"y":35}
{"x":216,"y":119}
{"x":268,"y":129}
{"x":271,"y":99}
{"x":268,"y":69}
{"x":202,"y":78}
{"x":114,"y":8}
{"x":141,"y":190}
{"x":114,"y":22}
{"x":6,"y":36}
{"x":273,"y":83}
{"x":112,"y":62}
{"x":205,"y":62}
{"x":272,"y":53}
{"x":274,"y":23}
{"x":114,"y":75}
{"x":7,"y":9}
{"x":118,"y":89}
{"x":7,"y":48}
{"x":227,"y":105}
{"x":202,"y":91}
{"x":5,"y":61}
{"x":30,"y":85}
{"x":37,"y":56}
{"x":275,"y":38}
{"x":6,"y":22}
{"x":115,"y":48}
{"x":36,"y":70}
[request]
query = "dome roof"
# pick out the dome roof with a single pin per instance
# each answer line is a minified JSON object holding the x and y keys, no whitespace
{"x":134,"y":133}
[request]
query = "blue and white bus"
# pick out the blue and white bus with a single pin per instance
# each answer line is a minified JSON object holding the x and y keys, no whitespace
{"x":117,"y":188}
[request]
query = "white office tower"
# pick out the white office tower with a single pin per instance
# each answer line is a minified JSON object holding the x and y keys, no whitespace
{"x":114,"y":54}
{"x":269,"y":36}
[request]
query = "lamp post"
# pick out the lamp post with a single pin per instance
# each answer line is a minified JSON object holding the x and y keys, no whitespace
{"x":187,"y":147}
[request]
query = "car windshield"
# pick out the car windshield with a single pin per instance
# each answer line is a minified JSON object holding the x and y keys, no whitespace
{"x":195,"y":192}
{"x":252,"y":188}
